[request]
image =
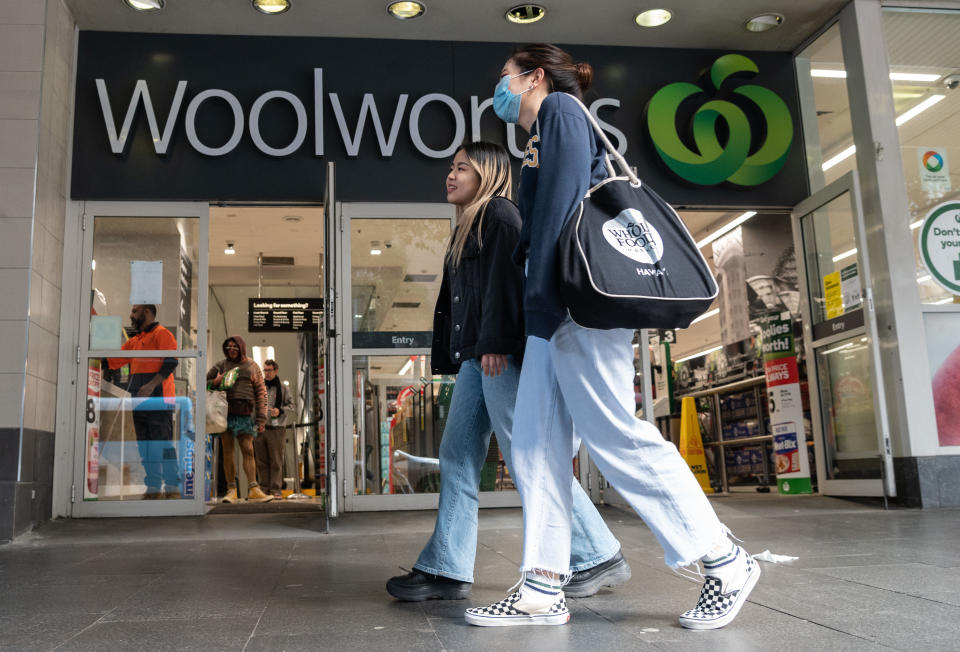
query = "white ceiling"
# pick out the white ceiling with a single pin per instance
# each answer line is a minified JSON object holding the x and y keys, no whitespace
{"x":696,"y":23}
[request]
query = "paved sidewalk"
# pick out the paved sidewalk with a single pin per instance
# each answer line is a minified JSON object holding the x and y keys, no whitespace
{"x":866,"y":579}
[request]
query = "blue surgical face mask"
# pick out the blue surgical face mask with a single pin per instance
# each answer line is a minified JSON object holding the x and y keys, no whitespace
{"x":506,"y":103}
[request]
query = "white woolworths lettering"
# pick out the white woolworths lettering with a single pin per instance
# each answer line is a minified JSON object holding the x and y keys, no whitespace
{"x":386,"y":140}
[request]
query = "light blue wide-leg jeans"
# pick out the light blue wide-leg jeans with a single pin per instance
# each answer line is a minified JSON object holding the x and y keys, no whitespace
{"x":481,"y":405}
{"x":582,"y":379}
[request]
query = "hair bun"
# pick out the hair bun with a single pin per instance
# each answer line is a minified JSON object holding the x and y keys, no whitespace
{"x":584,"y":75}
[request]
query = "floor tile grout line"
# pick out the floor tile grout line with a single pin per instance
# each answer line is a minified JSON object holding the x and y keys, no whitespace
{"x":101,"y":618}
{"x":266,"y":603}
{"x":819,"y":624}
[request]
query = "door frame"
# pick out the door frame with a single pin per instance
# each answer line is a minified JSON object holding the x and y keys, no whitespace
{"x":71,"y":448}
{"x":346,"y":213}
{"x":883,"y":486}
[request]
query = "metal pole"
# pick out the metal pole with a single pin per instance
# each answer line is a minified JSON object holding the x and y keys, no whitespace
{"x":260,"y":275}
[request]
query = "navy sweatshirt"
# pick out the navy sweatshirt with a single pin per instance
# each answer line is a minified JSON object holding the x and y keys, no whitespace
{"x":563,"y":159}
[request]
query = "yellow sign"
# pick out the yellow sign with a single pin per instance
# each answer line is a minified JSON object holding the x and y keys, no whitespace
{"x":833,"y":295}
{"x":691,"y":445}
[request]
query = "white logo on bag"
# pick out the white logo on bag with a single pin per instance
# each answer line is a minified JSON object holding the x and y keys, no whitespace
{"x":633,"y":237}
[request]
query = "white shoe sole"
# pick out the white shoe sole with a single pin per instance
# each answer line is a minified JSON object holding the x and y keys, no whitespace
{"x":728,"y":617}
{"x":265,"y":499}
{"x":513,"y":621}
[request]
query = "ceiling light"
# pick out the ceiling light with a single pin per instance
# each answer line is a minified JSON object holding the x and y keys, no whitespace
{"x":916,"y":225}
{"x":919,"y":108}
{"x":271,"y":7}
{"x":408,"y":366}
{"x":653,"y":17}
{"x":726,"y":228}
{"x":145,"y":5}
{"x":943,"y":301}
{"x":924,"y":278}
{"x":895,"y":76}
{"x":697,"y":355}
{"x":229,"y":250}
{"x":525,"y":14}
{"x":830,"y":162}
{"x":764,"y":22}
{"x":375,"y":252}
{"x":292,"y":219}
{"x":845,"y":254}
{"x":706,"y":315}
{"x":406,"y":10}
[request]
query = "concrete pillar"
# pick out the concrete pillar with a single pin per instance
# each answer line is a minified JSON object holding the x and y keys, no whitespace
{"x":36,"y":97}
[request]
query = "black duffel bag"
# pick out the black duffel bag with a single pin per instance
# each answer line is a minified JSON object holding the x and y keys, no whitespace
{"x":627,"y":259}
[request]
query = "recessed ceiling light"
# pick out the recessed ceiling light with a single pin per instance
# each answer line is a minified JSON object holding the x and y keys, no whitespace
{"x":526,"y":14}
{"x":406,"y":10}
{"x":292,"y":219}
{"x":764,"y":22}
{"x":653,"y":17}
{"x":229,"y":251}
{"x":145,"y":5}
{"x":375,"y":252}
{"x":271,"y":7}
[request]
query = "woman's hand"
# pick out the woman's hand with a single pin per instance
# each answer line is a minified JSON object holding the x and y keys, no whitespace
{"x":493,"y":364}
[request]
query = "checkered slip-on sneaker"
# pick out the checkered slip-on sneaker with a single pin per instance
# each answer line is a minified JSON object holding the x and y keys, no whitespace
{"x":720,"y":601}
{"x":517,"y":610}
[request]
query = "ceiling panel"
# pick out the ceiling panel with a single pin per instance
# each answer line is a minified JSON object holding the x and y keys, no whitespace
{"x":696,"y":24}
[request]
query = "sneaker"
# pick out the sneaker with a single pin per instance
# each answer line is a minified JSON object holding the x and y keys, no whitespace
{"x":256,"y":495}
{"x":417,"y":586}
{"x":231,"y":496}
{"x":724,"y":593}
{"x":525,"y":606}
{"x":613,"y":572}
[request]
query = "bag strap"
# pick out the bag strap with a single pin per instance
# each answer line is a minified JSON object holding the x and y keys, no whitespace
{"x":611,"y":150}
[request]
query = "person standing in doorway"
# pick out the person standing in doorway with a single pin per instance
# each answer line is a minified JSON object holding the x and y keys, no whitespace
{"x":578,"y":380}
{"x":478,"y":335}
{"x":246,"y":415}
{"x":154,"y":399}
{"x":269,"y":446}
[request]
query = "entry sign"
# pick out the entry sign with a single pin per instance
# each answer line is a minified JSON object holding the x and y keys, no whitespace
{"x":940,"y":245}
{"x":785,"y":404}
{"x":284,"y":315}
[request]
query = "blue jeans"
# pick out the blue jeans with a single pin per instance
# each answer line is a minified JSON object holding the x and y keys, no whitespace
{"x":481,"y":405}
{"x":158,"y":455}
{"x":580,"y":383}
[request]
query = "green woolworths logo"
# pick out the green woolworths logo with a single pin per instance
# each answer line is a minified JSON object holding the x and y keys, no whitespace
{"x":716,"y":163}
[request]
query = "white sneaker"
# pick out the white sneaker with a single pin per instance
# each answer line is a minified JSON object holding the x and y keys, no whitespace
{"x":724,"y":592}
{"x":525,"y":606}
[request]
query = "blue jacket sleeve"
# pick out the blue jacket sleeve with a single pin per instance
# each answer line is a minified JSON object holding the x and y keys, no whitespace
{"x":565,"y":161}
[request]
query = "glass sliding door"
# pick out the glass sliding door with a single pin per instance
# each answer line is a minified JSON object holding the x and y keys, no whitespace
{"x":141,"y":442}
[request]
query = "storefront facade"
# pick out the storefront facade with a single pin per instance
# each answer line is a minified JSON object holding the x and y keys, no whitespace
{"x":158,"y":143}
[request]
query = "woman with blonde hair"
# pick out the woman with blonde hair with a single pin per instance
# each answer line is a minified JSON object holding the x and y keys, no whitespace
{"x":478,"y":335}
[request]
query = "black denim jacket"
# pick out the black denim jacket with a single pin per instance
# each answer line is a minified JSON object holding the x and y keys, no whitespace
{"x":480,"y":306}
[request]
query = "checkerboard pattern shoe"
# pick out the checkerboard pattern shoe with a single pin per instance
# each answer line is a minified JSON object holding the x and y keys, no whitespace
{"x":724,"y":592}
{"x":525,"y":606}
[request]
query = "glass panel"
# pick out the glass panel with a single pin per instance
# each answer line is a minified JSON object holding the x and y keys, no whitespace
{"x":822,"y":80}
{"x":846,"y":406}
{"x":143,"y":261}
{"x":830,"y":248}
{"x":396,"y":270}
{"x":140,"y":437}
{"x":399,"y":413}
{"x":924,"y":55}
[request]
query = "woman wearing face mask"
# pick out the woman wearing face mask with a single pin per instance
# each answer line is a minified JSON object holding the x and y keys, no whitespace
{"x":478,"y":335}
{"x":578,"y":381}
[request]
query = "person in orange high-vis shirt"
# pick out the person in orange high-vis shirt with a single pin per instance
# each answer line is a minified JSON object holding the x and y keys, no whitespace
{"x":153,"y":393}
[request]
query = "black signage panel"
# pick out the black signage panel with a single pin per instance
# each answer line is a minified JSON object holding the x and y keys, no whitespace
{"x":284,"y":315}
{"x":393,"y":340}
{"x":208,"y":117}
{"x":842,"y":324}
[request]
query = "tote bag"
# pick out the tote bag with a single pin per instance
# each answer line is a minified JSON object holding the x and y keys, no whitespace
{"x":216,"y":412}
{"x":627,"y":259}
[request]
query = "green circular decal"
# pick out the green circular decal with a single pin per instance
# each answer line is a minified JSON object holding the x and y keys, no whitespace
{"x":714,"y":163}
{"x":940,"y":245}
